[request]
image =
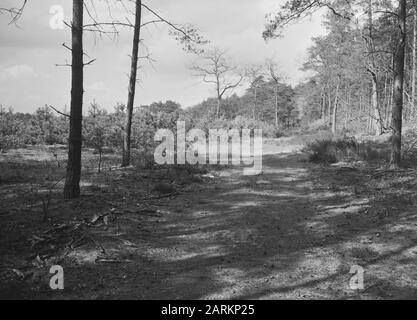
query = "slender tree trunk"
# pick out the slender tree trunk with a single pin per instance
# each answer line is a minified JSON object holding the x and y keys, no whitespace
{"x":255,"y":103}
{"x":323,"y":102}
{"x":218,"y":107}
{"x":219,"y":97}
{"x":329,"y":110}
{"x":73,"y":175}
{"x":336,"y":102}
{"x":386,"y":96}
{"x":132,"y":86}
{"x":397,"y":107}
{"x":414,"y":55}
{"x":276,"y":105}
{"x":377,"y":120}
{"x":391,"y":99}
{"x":100,"y":159}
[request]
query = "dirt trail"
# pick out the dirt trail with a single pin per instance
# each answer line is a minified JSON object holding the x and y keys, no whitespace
{"x":289,"y":233}
{"x":282,"y":234}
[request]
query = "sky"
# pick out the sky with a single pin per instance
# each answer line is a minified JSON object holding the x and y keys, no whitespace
{"x":29,"y":52}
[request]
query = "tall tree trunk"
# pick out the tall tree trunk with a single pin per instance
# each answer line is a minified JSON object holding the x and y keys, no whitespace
{"x":132,"y":85}
{"x":276,"y":105}
{"x":219,"y":97}
{"x":323,"y":102}
{"x":336,"y":102}
{"x":376,"y":118}
{"x":397,"y":107}
{"x":329,"y":110}
{"x":73,"y":175}
{"x":218,"y":107}
{"x":386,"y":96}
{"x":391,"y":98}
{"x":255,"y":103}
{"x":389,"y":102}
{"x":414,"y":56}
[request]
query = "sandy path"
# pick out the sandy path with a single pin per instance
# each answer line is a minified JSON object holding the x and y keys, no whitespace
{"x":278,"y":235}
{"x":293,"y":232}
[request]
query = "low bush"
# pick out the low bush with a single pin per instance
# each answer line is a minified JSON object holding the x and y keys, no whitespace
{"x":345,"y":149}
{"x":321,"y":151}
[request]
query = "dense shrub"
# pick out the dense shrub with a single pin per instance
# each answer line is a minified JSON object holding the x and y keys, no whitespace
{"x":9,"y":142}
{"x":146,"y":122}
{"x":323,"y":151}
{"x":345,"y":149}
{"x":42,"y":127}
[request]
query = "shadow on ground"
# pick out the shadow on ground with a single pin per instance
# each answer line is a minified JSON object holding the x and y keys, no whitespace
{"x":293,"y":232}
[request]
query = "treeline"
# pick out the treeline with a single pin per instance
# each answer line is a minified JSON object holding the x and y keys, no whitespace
{"x":101,"y":129}
{"x":41,"y":127}
{"x":271,"y":108}
{"x":364,"y":66}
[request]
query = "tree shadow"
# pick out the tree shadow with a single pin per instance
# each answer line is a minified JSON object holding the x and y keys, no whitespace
{"x":284,"y":234}
{"x":290,"y":233}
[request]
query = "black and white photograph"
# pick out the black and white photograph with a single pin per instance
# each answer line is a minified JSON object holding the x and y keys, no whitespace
{"x":208,"y":154}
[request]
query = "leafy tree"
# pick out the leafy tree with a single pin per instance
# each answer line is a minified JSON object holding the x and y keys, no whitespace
{"x":96,"y":130}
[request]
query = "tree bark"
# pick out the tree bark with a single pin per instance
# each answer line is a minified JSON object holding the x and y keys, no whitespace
{"x":397,"y":107}
{"x":329,"y":110}
{"x":219,"y":99}
{"x":414,"y":56}
{"x":323,"y":103}
{"x":336,"y":101}
{"x":132,"y":86}
{"x":73,"y":174}
{"x":391,"y":97}
{"x":377,"y":119}
{"x":255,"y":102}
{"x":386,"y":97}
{"x":276,"y":106}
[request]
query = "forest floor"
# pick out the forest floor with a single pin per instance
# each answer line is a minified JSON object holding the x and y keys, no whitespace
{"x":293,"y":232}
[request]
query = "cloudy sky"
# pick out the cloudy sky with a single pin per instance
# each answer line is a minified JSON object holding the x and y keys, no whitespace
{"x":29,"y":77}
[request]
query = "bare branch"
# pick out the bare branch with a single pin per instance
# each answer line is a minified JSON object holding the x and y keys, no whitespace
{"x":59,"y":112}
{"x":215,"y":68}
{"x":15,"y":12}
